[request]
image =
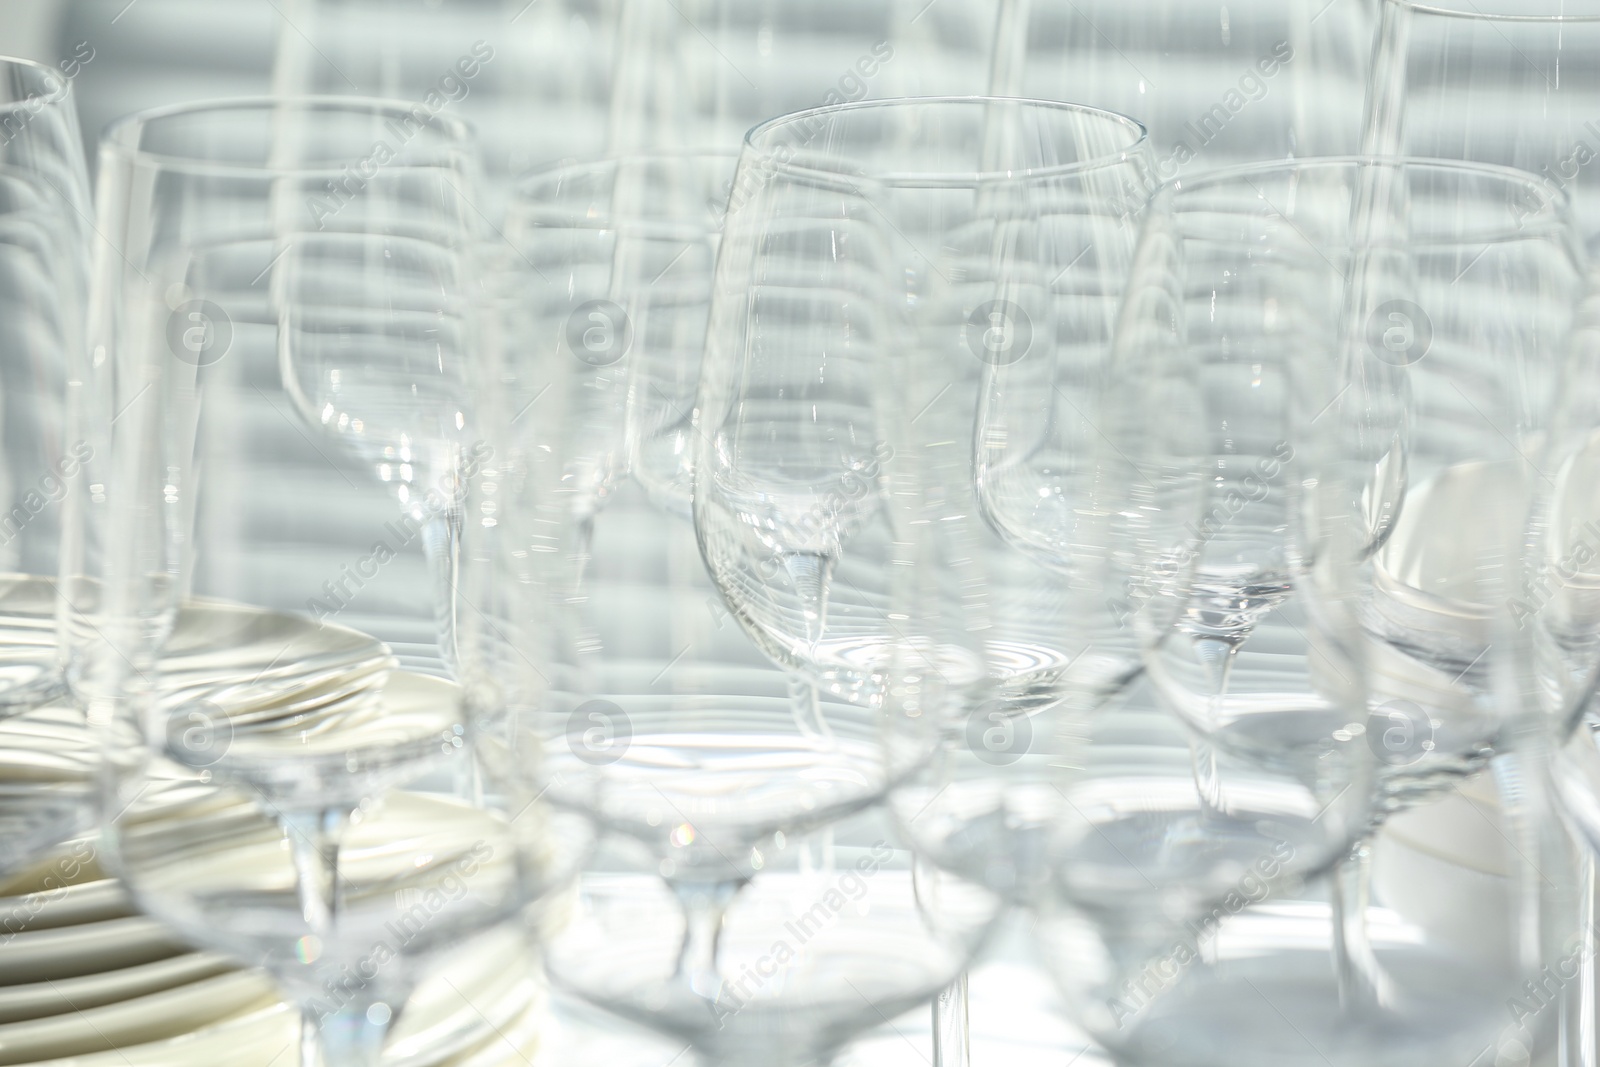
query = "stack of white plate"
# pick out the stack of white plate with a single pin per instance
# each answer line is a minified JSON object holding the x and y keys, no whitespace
{"x":47,"y":777}
{"x":87,"y":981}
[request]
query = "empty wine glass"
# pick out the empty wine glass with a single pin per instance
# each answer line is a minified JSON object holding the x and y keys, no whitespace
{"x":253,"y":256}
{"x":898,"y":280}
{"x":661,"y":721}
{"x":666,"y":726}
{"x":297,"y":304}
{"x":1478,"y":913}
{"x":46,"y":458}
{"x":1492,"y":81}
{"x":811,"y":956}
{"x":1417,"y":444}
{"x":423,"y":866}
{"x":618,"y":255}
{"x":1387,"y":362}
{"x":837,"y":303}
{"x":375,"y":351}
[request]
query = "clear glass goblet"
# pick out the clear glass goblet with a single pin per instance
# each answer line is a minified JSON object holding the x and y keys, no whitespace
{"x":251,"y":255}
{"x":897,"y":282}
{"x":1475,"y":922}
{"x":47,"y":455}
{"x":1350,"y":357}
{"x":810,"y":957}
{"x":661,"y":721}
{"x":1507,"y":82}
{"x":902,"y":285}
{"x":618,"y":255}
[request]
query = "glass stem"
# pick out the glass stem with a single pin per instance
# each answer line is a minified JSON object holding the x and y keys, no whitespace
{"x":704,"y":905}
{"x":582,"y":549}
{"x":1207,"y":776}
{"x":310,"y":1047}
{"x":1363,"y":987}
{"x":1009,"y":58}
{"x":353,"y":1036}
{"x":952,"y":1045}
{"x":441,"y":543}
{"x":805,"y":705}
{"x":1576,"y":1047}
{"x":314,"y":848}
{"x":1218,"y":653}
{"x":952,"y":1041}
{"x":811,"y":574}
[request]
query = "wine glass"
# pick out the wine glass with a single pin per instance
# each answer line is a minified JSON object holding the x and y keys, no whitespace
{"x":1351,"y":355}
{"x":250,"y":254}
{"x":667,"y":727}
{"x":891,"y":273}
{"x":321,"y":307}
{"x":44,"y":254}
{"x":1509,"y":84}
{"x":373,"y":344}
{"x":811,"y":956}
{"x":1490,"y":81}
{"x":1478,"y":911}
{"x":618,"y":254}
{"x":311,"y":306}
{"x":661,"y":721}
{"x":45,"y":793}
{"x":803,"y":404}
{"x":425,"y":865}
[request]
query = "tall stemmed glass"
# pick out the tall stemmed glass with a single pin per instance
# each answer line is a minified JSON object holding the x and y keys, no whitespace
{"x":246,"y":247}
{"x":1514,"y":84}
{"x":1492,"y":81}
{"x":1274,"y":394}
{"x":808,"y":362}
{"x":374,"y":352}
{"x":1557,"y":607}
{"x":358,"y":299}
{"x":46,"y":453}
{"x":1452,"y":468}
{"x":618,"y":256}
{"x":1245,"y":980}
{"x":863,"y":303}
{"x":372,"y":344}
{"x":662,"y":721}
{"x":360,"y":291}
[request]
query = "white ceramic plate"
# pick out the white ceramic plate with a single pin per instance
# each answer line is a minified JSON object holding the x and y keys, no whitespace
{"x":81,"y":1001}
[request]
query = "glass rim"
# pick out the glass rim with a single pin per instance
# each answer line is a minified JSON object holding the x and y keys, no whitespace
{"x":1434,"y":7}
{"x":1555,"y":204}
{"x":61,"y":85}
{"x":936,"y":179}
{"x":457,"y":131}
